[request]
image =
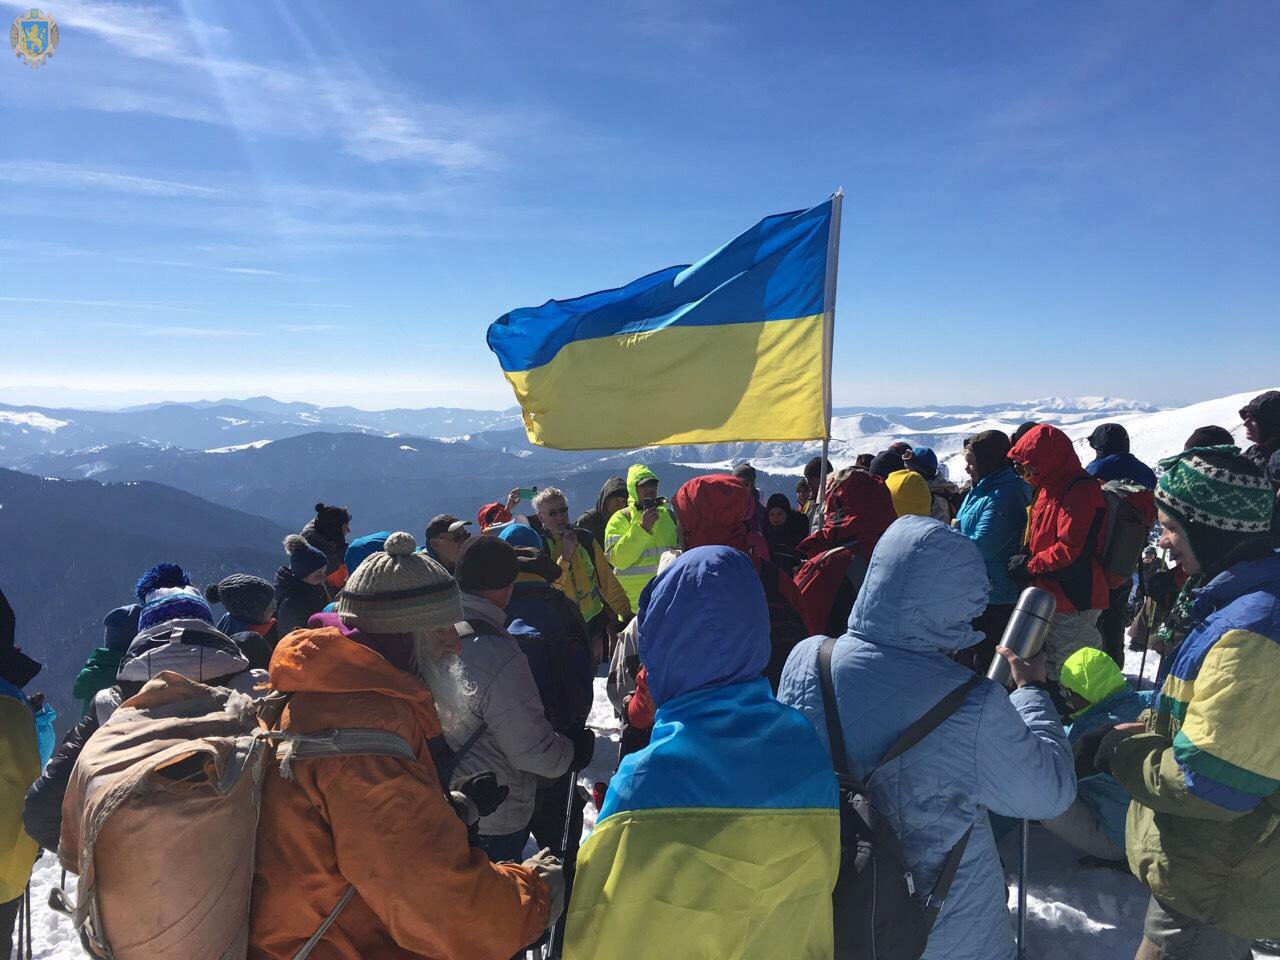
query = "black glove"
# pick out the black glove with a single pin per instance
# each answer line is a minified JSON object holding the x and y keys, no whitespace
{"x":484,"y":791}
{"x":584,"y":747}
{"x":1018,"y":571}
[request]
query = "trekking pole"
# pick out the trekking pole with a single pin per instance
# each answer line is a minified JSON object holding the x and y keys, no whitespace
{"x":1022,"y":890}
{"x":563,"y":853}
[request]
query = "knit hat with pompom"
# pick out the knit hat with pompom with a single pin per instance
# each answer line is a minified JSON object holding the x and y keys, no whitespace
{"x":173,"y":603}
{"x":399,"y":591}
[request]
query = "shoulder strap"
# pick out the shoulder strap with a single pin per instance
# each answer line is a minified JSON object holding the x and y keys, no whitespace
{"x":316,"y":937}
{"x":930,"y":721}
{"x":835,"y":732}
{"x":470,"y":742}
{"x":942,"y":886}
{"x":343,"y":742}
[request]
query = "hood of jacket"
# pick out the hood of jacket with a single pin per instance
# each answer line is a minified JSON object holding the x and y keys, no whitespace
{"x":362,"y":547}
{"x":1123,"y":466}
{"x":1006,"y":476}
{"x":924,"y":584}
{"x":714,"y":510}
{"x":326,"y":660}
{"x":1050,"y":454}
{"x":1094,"y":675}
{"x":192,"y":648}
{"x":1238,"y":580}
{"x":857,"y":511}
{"x":612,"y":487}
{"x":703,"y":622}
{"x":99,"y":670}
{"x":636,"y":475}
{"x":1109,"y":438}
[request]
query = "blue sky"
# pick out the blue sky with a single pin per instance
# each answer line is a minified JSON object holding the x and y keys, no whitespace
{"x":332,"y":201}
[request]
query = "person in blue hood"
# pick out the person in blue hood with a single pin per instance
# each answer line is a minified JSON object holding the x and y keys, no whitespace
{"x":999,"y":752}
{"x":721,"y":839}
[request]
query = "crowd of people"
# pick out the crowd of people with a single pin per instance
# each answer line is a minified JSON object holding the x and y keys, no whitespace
{"x":427,"y":710}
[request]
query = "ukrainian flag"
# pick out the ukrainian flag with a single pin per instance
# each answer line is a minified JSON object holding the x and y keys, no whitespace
{"x":734,"y":347}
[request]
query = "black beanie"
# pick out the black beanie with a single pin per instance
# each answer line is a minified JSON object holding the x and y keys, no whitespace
{"x":331,"y":520}
{"x":1265,"y":409}
{"x":486,"y":563}
{"x":1210,"y":436}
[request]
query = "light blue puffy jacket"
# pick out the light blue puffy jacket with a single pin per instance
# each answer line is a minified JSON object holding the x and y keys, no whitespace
{"x":1001,"y":752}
{"x":994,"y":516}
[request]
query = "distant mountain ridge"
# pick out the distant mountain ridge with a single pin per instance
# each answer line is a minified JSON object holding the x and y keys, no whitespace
{"x":73,"y":550}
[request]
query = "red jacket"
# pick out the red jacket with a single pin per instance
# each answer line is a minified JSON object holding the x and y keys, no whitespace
{"x":858,"y":510}
{"x":1065,"y":542}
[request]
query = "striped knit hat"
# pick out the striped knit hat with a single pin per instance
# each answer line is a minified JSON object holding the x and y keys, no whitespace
{"x":1220,"y":497}
{"x":399,"y":591}
{"x":173,"y":603}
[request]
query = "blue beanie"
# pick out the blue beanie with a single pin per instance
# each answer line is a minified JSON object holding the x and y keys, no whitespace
{"x":304,"y":559}
{"x":519,"y":535}
{"x":174,"y":603}
{"x":159,"y":576}
{"x":926,"y":460}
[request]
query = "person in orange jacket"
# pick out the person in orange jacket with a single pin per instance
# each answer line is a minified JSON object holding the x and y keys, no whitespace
{"x":379,"y":824}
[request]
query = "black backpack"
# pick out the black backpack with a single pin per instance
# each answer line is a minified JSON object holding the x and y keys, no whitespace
{"x":876,"y":911}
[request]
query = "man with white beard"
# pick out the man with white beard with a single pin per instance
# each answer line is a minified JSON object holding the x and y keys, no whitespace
{"x":370,"y":843}
{"x":504,"y":726}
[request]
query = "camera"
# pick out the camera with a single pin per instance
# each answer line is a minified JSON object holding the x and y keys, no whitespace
{"x":649,"y":503}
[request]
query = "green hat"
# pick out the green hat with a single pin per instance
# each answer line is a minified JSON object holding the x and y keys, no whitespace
{"x":1219,"y":496}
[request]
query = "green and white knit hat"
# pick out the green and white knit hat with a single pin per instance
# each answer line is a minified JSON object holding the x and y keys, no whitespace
{"x":399,"y":591}
{"x":1220,"y":498}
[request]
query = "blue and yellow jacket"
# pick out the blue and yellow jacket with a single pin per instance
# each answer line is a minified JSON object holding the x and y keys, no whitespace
{"x":721,"y":839}
{"x":19,"y":766}
{"x":1204,"y":827}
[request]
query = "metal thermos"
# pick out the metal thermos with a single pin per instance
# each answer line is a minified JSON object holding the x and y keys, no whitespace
{"x":1026,"y":631}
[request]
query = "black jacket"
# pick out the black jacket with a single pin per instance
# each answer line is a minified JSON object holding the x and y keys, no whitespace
{"x":42,"y":809}
{"x":296,"y":601}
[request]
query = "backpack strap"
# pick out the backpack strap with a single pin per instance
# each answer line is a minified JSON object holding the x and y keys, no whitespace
{"x":470,"y":742}
{"x":342,"y":742}
{"x":942,"y":886}
{"x":929,"y":722}
{"x":321,"y":930}
{"x":835,"y":732}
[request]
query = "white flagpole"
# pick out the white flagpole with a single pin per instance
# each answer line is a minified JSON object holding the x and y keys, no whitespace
{"x":828,"y":339}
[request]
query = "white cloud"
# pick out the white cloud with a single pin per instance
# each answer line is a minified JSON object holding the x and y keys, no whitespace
{"x":46,"y":173}
{"x":187,"y":78}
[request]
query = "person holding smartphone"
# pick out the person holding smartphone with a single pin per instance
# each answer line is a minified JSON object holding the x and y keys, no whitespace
{"x":637,"y":535}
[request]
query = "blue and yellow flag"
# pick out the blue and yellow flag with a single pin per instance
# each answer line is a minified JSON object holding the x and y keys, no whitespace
{"x":734,"y":347}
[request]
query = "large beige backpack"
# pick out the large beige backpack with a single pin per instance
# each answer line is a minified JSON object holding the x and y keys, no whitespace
{"x":161,"y":816}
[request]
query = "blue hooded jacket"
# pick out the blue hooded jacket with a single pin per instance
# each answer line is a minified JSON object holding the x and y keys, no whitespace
{"x":1122,"y":466}
{"x":1006,"y":753}
{"x":721,"y":838}
{"x":1101,"y":791}
{"x":994,"y":516}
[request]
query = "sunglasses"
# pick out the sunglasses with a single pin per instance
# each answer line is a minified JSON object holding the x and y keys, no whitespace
{"x":1246,"y":415}
{"x":458,"y":536}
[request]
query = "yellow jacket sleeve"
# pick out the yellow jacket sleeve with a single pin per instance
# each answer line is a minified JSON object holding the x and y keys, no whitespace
{"x":19,"y":767}
{"x":610,"y":588}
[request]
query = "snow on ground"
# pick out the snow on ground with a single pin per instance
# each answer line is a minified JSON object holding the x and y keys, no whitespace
{"x":1073,"y":912}
{"x":252,"y":445}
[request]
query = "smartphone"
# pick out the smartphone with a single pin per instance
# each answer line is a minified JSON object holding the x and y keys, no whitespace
{"x":526,"y":493}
